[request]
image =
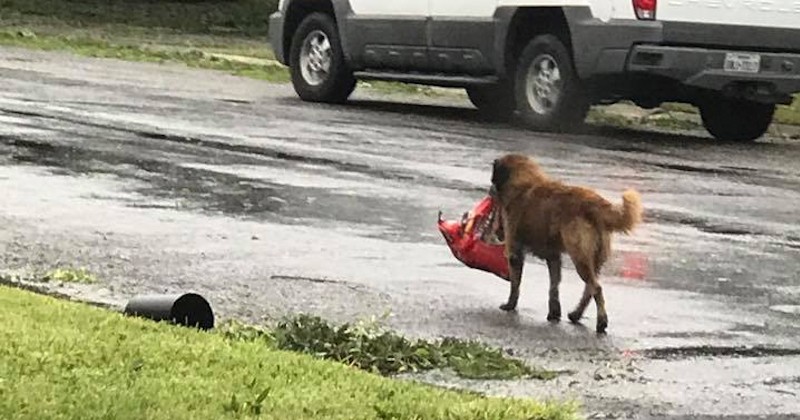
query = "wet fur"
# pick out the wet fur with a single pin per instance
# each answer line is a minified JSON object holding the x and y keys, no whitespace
{"x":547,"y":218}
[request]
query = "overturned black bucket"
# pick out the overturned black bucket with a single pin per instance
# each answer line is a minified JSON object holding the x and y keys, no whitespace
{"x":188,"y":309}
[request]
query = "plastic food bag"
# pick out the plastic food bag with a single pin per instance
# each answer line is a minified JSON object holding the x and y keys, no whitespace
{"x":477,"y":239}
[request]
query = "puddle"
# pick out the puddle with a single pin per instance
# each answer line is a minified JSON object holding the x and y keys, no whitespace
{"x":694,"y":169}
{"x":717,"y":352}
{"x":170,"y":178}
{"x":786,"y":309}
{"x":700,"y":223}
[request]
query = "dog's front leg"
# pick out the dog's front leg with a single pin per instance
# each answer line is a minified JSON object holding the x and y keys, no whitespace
{"x":516,"y":260}
{"x":554,"y":268}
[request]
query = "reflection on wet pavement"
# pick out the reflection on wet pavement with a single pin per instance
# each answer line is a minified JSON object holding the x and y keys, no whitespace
{"x":239,"y":178}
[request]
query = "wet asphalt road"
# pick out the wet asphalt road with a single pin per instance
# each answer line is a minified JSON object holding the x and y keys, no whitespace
{"x":163,"y":179}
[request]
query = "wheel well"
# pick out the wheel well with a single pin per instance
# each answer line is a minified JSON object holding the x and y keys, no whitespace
{"x":529,"y":22}
{"x":297,"y":11}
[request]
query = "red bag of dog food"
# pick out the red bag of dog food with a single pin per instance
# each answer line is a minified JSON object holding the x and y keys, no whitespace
{"x":476,"y":240}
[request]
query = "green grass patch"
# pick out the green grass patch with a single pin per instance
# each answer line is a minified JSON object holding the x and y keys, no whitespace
{"x":679,"y":107}
{"x":241,"y":17}
{"x":369,"y":346}
{"x":62,"y":360}
{"x":665,"y":121}
{"x":196,"y":58}
{"x":396,"y":88}
{"x":121,"y":34}
{"x":223,"y":35}
{"x":671,"y":122}
{"x":598,"y":115}
{"x":233,"y":55}
{"x":57,"y":275}
{"x":789,"y":114}
{"x":70,"y":275}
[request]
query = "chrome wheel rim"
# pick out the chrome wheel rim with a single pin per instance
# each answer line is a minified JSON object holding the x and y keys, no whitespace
{"x":543,"y":84}
{"x":315,"y":58}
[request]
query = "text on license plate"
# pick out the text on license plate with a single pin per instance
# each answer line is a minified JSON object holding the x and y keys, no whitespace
{"x":742,"y":63}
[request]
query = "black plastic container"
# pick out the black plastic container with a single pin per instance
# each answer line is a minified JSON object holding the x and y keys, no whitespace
{"x":188,"y":309}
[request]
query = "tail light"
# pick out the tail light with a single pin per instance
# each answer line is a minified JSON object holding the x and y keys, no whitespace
{"x":645,"y":9}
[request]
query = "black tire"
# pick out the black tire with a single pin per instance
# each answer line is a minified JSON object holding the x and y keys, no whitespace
{"x":569,"y":108}
{"x":338,"y":83}
{"x":736,"y":120}
{"x":496,"y":102}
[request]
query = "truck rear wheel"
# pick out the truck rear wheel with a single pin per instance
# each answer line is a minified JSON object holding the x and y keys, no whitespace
{"x":316,"y":62}
{"x":736,"y":120}
{"x":494,"y":101}
{"x":548,"y":92}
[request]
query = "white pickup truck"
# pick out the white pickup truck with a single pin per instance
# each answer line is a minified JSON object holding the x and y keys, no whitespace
{"x":549,"y":60}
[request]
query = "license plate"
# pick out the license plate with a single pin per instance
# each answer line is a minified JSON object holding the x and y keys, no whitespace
{"x":742,"y":63}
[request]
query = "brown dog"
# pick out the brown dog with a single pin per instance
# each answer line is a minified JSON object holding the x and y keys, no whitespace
{"x":547,"y":218}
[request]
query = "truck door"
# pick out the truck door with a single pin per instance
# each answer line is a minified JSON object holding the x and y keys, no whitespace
{"x":462,"y":36}
{"x":389,"y":34}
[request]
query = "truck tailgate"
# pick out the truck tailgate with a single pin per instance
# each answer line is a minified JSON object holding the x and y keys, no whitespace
{"x":755,"y":38}
{"x":757,"y":13}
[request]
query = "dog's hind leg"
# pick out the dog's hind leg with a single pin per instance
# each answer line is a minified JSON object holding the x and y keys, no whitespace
{"x":602,"y":316}
{"x":554,"y":269}
{"x":591,"y":289}
{"x":589,"y":285}
{"x":603,"y":250}
{"x":580,"y":242}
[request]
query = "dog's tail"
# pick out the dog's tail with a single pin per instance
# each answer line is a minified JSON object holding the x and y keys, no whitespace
{"x":625,"y":217}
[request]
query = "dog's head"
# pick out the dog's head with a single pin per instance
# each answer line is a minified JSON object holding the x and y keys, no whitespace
{"x":504,"y":170}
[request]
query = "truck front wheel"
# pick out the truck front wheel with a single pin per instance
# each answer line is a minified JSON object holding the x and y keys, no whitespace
{"x":549,"y":94}
{"x":736,"y":120}
{"x":316,"y":62}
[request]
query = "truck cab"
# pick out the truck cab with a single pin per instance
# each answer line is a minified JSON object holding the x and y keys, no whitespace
{"x":548,"y":61}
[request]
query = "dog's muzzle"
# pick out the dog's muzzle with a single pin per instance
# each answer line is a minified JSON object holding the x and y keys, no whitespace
{"x":493,"y":191}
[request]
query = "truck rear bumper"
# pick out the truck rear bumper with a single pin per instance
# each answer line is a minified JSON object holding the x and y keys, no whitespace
{"x":777,"y":76}
{"x":691,"y":54}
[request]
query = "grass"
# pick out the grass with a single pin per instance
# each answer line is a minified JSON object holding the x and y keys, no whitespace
{"x":70,"y":275}
{"x":789,"y":114}
{"x":233,"y":55}
{"x":63,"y":360}
{"x":365,"y":345}
{"x":394,"y":88}
{"x":667,"y":121}
{"x":370,"y":347}
{"x":224,"y":35}
{"x":224,"y":17}
{"x":191,"y":57}
{"x":58,"y":275}
{"x":598,"y":115}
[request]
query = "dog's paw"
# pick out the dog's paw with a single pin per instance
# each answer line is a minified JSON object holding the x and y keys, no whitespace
{"x":508,"y":307}
{"x":554,"y":315}
{"x":602,"y":325}
{"x":574,"y":317}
